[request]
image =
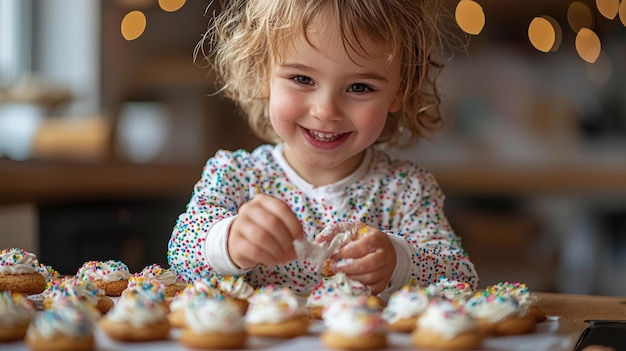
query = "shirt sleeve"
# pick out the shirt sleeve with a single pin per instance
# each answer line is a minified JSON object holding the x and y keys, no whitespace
{"x":433,"y":249}
{"x":197,"y":246}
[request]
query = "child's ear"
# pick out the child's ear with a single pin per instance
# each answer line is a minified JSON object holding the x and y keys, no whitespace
{"x":396,"y":104}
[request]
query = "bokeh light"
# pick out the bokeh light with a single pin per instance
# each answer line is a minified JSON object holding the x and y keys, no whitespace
{"x":133,"y":25}
{"x":588,"y":45}
{"x":622,"y":12}
{"x":543,"y":34}
{"x":470,"y":17}
{"x":171,"y":5}
{"x":579,"y":16}
{"x":558,"y":32}
{"x":608,"y":8}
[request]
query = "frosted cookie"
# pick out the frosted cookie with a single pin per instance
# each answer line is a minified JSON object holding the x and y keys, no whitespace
{"x":522,"y":294}
{"x":446,"y":325}
{"x":15,"y":316}
{"x":213,"y":323}
{"x":354,"y":323}
{"x":450,"y":289}
{"x":276,"y":312}
{"x":404,"y":308}
{"x":500,"y":314}
{"x":202,"y":287}
{"x":76,"y":291}
{"x":329,"y":288}
{"x":166,"y":277}
{"x":48,"y":272}
{"x":136,"y":318}
{"x":65,"y":327}
{"x":110,"y":276}
{"x":147,"y":289}
{"x":237,"y":289}
{"x":18,"y":272}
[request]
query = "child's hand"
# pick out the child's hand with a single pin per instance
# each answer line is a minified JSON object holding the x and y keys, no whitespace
{"x":263,"y":232}
{"x":373,"y":259}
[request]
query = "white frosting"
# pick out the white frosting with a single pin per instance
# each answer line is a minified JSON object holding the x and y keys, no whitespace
{"x":145,"y":288}
{"x":353,"y":317}
{"x":518,"y":291}
{"x":329,"y":241}
{"x":62,"y":319}
{"x":209,"y":315}
{"x":405,"y":303}
{"x":164,"y":276}
{"x":201,"y":289}
{"x":17,"y":261}
{"x":207,"y":286}
{"x":494,"y":308}
{"x":446,"y":319}
{"x":80,"y":290}
{"x":136,"y":310}
{"x":108,"y":271}
{"x":338,"y":285}
{"x":272,"y":305}
{"x":14,"y":309}
{"x":450,"y":289}
{"x":236,"y":288}
{"x":48,"y":272}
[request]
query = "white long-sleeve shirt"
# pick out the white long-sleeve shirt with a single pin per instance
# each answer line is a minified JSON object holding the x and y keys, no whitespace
{"x":395,"y":196}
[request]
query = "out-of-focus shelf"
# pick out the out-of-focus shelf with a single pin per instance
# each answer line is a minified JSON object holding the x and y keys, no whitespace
{"x":40,"y":182}
{"x":45,"y":182}
{"x":565,"y":178}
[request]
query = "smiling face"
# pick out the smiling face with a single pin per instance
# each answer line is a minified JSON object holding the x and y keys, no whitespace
{"x":328,"y":105}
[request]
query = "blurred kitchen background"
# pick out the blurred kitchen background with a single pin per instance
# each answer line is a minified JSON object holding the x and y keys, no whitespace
{"x":106,"y":122}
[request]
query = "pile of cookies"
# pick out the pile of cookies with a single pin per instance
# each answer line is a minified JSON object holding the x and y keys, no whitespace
{"x":224,"y":312}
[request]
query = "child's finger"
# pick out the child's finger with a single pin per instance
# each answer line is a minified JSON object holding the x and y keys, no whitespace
{"x":267,"y":228}
{"x":356,"y":249}
{"x":288,"y":221}
{"x":371,"y":262}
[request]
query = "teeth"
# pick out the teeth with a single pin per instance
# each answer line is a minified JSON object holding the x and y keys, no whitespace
{"x":324,"y":136}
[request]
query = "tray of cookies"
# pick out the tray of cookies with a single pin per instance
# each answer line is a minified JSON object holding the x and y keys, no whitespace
{"x":106,"y":307}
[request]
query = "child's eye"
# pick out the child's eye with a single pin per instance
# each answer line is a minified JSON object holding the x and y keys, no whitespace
{"x":302,"y":80}
{"x":359,"y":88}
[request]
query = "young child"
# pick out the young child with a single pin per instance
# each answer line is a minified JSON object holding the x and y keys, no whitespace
{"x":325,"y":83}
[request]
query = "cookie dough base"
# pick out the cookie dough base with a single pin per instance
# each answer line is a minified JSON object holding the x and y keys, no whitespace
{"x":62,"y":343}
{"x":538,"y":313}
{"x":13,"y":333}
{"x":337,"y":340}
{"x":426,"y":339}
{"x":127,"y":332}
{"x":29,"y":283}
{"x":172,"y":290}
{"x":514,"y":326}
{"x":242,"y":305}
{"x":405,"y":325}
{"x":315,"y":312}
{"x":285,"y":330}
{"x":177,"y":318}
{"x":104,"y":304}
{"x":112,"y":288}
{"x":213,"y":341}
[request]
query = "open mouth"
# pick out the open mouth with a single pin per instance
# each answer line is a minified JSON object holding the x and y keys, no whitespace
{"x":324,"y":136}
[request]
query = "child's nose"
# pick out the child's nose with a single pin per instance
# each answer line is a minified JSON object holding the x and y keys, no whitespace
{"x":326,"y":107}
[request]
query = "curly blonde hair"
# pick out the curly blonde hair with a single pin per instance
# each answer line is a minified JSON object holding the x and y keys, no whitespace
{"x":243,"y":41}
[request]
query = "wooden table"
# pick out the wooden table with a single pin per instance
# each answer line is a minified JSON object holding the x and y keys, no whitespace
{"x":579,"y":308}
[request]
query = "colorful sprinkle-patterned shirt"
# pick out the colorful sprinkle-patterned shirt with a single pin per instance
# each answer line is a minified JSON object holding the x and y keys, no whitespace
{"x":396,"y":196}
